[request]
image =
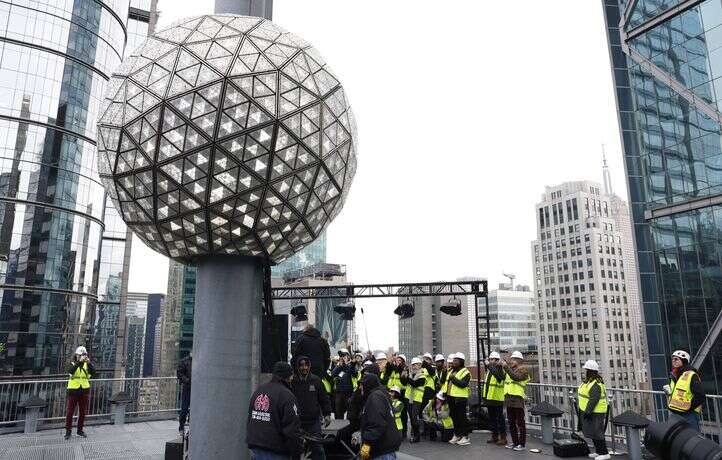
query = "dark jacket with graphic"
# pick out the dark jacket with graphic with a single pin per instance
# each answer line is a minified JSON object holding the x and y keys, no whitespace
{"x":273,"y":423}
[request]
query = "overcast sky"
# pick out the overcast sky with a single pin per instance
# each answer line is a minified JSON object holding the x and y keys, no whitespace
{"x":466,"y":111}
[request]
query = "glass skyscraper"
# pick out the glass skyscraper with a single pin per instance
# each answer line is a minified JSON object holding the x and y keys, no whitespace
{"x":62,"y":246}
{"x":666,"y":60}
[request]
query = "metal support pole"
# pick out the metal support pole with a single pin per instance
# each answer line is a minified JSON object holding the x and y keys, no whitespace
{"x":259,"y":8}
{"x":547,"y":430}
{"x":119,"y":414}
{"x":478,"y":361}
{"x":32,"y":414}
{"x":228,"y":310}
{"x":634,"y":447}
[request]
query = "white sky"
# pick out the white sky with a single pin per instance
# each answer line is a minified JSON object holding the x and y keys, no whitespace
{"x":466,"y":110}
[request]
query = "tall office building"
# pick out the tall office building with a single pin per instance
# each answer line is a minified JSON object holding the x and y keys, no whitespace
{"x":666,"y":64}
{"x":430,"y":330}
{"x":512,"y":319}
{"x":136,"y":304}
{"x":56,"y":58}
{"x":581,"y":273}
{"x":135,"y":338}
{"x":152,"y":320}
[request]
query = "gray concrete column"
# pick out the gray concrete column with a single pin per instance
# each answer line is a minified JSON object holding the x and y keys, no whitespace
{"x":260,"y":8}
{"x":227,"y":313}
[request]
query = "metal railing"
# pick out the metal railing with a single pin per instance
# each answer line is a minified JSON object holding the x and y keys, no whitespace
{"x":650,"y":404}
{"x":152,"y":397}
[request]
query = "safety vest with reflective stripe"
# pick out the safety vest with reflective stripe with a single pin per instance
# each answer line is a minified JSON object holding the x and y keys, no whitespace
{"x":583,"y":397}
{"x":417,"y":393}
{"x":430,"y":381}
{"x":398,"y":407}
{"x":354,"y":380}
{"x":681,"y":398}
{"x":514,"y":388}
{"x":493,"y":388}
{"x":326,"y":380}
{"x":79,"y":378}
{"x":454,"y":391}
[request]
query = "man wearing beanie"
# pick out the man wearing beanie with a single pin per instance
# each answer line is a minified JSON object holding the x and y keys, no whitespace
{"x":273,"y":427}
{"x":380,"y":438}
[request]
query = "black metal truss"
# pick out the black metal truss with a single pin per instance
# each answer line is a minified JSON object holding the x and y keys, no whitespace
{"x":346,"y":291}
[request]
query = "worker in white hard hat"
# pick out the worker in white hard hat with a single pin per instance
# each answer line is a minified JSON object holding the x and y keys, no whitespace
{"x":685,"y":391}
{"x":493,"y":397}
{"x":396,"y":375}
{"x":430,"y":383}
{"x":517,"y":376}
{"x":396,"y":405}
{"x":437,"y":420}
{"x":457,"y":396}
{"x":417,"y":382}
{"x":381,"y":360}
{"x":592,"y":406}
{"x":80,"y":370}
{"x":441,"y":372}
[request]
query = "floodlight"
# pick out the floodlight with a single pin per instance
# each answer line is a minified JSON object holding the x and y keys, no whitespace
{"x":452,"y":307}
{"x":300,"y":313}
{"x":347,"y":310}
{"x":405,"y":310}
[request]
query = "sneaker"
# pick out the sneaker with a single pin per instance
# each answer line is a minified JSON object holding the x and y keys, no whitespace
{"x":593,"y":455}
{"x":82,"y":434}
{"x":603,"y":457}
{"x":510,"y":445}
{"x":67,"y":435}
{"x":454,"y":440}
{"x":519,"y":447}
{"x":464,"y":441}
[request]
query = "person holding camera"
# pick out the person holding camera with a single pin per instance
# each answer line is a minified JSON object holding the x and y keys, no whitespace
{"x":685,"y":391}
{"x":343,"y":375}
{"x":593,"y":406}
{"x":80,"y":371}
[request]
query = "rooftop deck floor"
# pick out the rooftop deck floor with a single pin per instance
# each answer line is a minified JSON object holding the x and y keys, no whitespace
{"x":146,"y":441}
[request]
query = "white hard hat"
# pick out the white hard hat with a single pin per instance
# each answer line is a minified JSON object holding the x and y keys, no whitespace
{"x":591,"y":365}
{"x":402,"y":357}
{"x":439,"y":357}
{"x":81,"y":350}
{"x":368,"y":363}
{"x":681,"y":354}
{"x":358,"y":353}
{"x":428,"y":355}
{"x":381,"y":356}
{"x":450,"y":358}
{"x":517,"y":355}
{"x":460,"y":356}
{"x":415,"y":360}
{"x":396,"y":389}
{"x":343,"y":351}
{"x":440,"y":395}
{"x":494,"y":355}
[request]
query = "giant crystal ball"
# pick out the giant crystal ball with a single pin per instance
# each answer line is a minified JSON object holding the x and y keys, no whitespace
{"x":226,"y":134}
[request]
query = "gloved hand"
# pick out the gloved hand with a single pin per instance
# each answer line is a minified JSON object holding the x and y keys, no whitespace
{"x":326,"y":420}
{"x":667,"y":390}
{"x":356,"y":438}
{"x":365,"y":452}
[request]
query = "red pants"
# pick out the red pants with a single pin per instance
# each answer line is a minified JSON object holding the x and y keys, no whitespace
{"x":81,"y":401}
{"x":517,"y":425}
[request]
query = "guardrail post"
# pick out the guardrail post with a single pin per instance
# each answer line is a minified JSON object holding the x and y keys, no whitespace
{"x":119,"y":402}
{"x":548,"y":413}
{"x":633,"y":423}
{"x":33,"y":405}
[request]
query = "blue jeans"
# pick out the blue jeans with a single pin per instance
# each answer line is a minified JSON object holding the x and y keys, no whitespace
{"x":260,"y":454}
{"x":391,"y":456}
{"x":692,"y":418}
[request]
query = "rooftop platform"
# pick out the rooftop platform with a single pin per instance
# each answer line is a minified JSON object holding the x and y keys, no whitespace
{"x":146,"y":441}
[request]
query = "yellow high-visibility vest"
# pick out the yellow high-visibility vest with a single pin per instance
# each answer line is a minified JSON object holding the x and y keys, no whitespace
{"x":681,"y":398}
{"x":79,"y":378}
{"x":583,"y":397}
{"x":417,"y":393}
{"x":327,"y":384}
{"x":493,"y":388}
{"x":514,"y":388}
{"x":453,"y":390}
{"x":398,"y":407}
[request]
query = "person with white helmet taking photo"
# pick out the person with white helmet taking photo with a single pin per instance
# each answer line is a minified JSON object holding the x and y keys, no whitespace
{"x":593,"y":406}
{"x":417,"y":381}
{"x":441,"y":371}
{"x":685,"y":391}
{"x":493,"y":398}
{"x":517,"y":376}
{"x":457,"y":395}
{"x":80,"y":371}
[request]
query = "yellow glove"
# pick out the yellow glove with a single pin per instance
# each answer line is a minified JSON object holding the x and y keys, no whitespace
{"x":365,"y":452}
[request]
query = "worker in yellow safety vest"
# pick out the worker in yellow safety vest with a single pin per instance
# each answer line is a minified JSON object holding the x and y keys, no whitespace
{"x":397,"y":405}
{"x":80,"y":371}
{"x":592,"y":407}
{"x":685,"y":391}
{"x":517,"y":376}
{"x":457,"y":396}
{"x":493,"y":397}
{"x":437,"y":419}
{"x":415,"y":393}
{"x":398,"y":377}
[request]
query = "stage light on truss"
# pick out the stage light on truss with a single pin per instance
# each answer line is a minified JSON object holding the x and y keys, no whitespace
{"x":299,"y":313}
{"x":452,"y":307}
{"x":405,"y":310}
{"x":347,"y":310}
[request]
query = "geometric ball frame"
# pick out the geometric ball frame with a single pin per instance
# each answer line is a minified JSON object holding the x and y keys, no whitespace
{"x":225,"y":134}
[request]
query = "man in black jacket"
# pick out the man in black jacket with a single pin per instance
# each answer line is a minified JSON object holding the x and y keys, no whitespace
{"x":273,"y":425}
{"x":313,"y":403}
{"x":183,"y":373}
{"x":311,"y":344}
{"x":379,"y":436}
{"x":343,"y":375}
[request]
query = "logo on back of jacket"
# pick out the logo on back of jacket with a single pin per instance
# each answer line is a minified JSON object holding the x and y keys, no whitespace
{"x":261,"y":408}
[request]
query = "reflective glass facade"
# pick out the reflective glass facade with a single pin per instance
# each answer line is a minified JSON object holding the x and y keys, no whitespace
{"x":673,"y":157}
{"x":55,"y":58}
{"x":314,"y":253}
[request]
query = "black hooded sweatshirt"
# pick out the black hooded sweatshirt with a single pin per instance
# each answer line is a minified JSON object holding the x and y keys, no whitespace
{"x":378,"y":426}
{"x":313,"y":401}
{"x":311,"y":344}
{"x":273,"y":422}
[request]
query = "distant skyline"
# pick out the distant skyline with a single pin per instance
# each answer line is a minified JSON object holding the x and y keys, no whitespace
{"x":461,"y":126}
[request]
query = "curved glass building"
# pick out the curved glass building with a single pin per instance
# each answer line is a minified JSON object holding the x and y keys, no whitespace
{"x":55,"y":59}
